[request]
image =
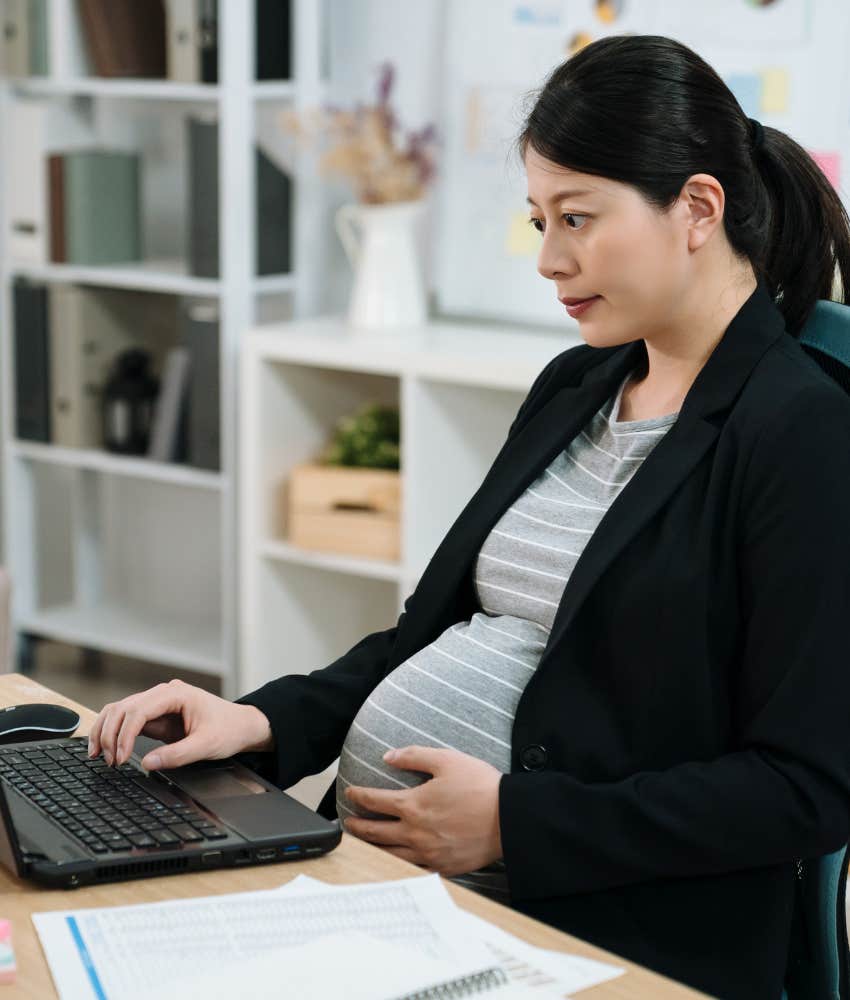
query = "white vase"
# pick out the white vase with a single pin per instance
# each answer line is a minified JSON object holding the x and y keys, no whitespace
{"x":382,"y":243}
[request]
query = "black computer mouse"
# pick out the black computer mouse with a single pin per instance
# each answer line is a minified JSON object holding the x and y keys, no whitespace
{"x":22,"y":723}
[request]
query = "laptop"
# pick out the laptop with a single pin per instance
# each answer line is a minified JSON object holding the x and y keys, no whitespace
{"x":67,"y":821}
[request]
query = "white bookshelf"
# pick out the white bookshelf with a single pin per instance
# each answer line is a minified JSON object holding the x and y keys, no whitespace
{"x":116,"y":465}
{"x":124,"y":554}
{"x":152,"y":275}
{"x":458,"y":387}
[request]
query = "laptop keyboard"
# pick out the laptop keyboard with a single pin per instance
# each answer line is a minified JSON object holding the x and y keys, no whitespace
{"x":102,"y":806}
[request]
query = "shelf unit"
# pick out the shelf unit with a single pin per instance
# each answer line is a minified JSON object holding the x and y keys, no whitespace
{"x":458,"y":387}
{"x":124,"y":554}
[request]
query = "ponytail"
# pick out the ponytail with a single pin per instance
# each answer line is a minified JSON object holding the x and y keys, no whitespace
{"x":806,"y":249}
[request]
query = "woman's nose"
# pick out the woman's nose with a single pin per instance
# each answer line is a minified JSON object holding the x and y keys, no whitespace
{"x":553,"y":262}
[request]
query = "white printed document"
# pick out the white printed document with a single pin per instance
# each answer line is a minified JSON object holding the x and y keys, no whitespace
{"x":129,"y":952}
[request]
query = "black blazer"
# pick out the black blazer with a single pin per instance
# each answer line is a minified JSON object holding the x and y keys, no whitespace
{"x":684,"y":738}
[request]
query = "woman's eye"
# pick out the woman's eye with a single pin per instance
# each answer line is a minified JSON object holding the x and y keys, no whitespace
{"x":538,"y":223}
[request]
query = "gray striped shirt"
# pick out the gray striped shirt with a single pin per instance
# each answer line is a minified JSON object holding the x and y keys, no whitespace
{"x":462,"y":690}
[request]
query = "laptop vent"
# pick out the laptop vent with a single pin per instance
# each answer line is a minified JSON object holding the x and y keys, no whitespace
{"x":109,"y":873}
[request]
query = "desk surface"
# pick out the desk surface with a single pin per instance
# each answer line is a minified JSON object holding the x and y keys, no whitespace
{"x":352,"y":861}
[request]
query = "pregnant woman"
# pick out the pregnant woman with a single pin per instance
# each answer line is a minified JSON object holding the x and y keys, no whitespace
{"x":617,"y":698}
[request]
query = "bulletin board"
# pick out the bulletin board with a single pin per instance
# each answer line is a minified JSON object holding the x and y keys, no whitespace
{"x":785,"y":61}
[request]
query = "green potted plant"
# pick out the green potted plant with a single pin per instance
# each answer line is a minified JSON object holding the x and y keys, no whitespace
{"x":349,"y":500}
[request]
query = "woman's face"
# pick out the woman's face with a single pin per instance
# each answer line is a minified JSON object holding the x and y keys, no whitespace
{"x":608,"y":241}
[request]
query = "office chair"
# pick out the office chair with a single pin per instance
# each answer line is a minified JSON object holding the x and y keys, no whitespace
{"x":818,"y":956}
{"x":826,"y":338}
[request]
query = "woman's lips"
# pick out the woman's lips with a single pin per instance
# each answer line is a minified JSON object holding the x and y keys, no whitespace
{"x":581,"y":306}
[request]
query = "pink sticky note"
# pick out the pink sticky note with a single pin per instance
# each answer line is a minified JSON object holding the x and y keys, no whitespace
{"x":7,"y":955}
{"x":830,"y":164}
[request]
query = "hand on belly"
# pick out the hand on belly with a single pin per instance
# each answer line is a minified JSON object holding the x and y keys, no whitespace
{"x":448,"y":824}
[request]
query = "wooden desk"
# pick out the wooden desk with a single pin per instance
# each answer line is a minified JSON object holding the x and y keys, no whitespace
{"x":352,"y":861}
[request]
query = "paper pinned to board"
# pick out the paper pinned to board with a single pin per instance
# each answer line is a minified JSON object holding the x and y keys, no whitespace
{"x":775,"y":90}
{"x":830,"y":164}
{"x":522,"y":239}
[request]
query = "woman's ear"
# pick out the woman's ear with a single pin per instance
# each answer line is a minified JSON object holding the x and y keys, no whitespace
{"x":703,"y":198}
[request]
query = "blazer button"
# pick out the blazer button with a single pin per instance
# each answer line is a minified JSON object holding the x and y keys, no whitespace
{"x":533,"y":757}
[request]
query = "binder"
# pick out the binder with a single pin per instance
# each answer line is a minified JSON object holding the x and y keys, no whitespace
{"x":273,"y":212}
{"x":32,"y":361}
{"x":208,"y":40}
{"x":274,"y":198}
{"x":273,"y":40}
{"x":182,"y":52}
{"x":14,"y":38}
{"x":84,"y":341}
{"x":201,"y":338}
{"x":26,"y":184}
{"x":37,"y":30}
{"x":192,"y":40}
{"x":202,"y":224}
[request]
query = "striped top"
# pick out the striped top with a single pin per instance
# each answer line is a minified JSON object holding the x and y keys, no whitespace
{"x":462,"y":690}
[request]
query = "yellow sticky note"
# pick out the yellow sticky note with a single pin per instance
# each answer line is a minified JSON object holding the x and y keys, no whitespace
{"x":523,"y":240}
{"x":774,"y":90}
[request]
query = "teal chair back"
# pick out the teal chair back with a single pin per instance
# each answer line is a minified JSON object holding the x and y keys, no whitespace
{"x":826,"y":338}
{"x":818,"y":956}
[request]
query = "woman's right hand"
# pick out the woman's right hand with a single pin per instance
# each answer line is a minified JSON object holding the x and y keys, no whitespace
{"x":195,"y":725}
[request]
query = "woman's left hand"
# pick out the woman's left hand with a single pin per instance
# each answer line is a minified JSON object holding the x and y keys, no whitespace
{"x":449,"y":824}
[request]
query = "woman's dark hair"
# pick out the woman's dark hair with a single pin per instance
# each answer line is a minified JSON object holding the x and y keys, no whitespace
{"x":648,"y":111}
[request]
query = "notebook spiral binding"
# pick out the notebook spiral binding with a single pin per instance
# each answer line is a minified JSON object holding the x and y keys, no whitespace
{"x":466,"y":986}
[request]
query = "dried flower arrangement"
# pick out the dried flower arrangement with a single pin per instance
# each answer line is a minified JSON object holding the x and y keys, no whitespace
{"x":362,"y":145}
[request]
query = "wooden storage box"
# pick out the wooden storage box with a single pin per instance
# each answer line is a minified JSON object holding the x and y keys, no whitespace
{"x":354,"y":511}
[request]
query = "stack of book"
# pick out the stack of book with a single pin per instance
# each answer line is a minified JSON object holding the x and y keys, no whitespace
{"x":67,"y":338}
{"x":192,"y":40}
{"x":94,"y":207}
{"x":186,"y":418}
{"x":146,"y":39}
{"x":85,"y":208}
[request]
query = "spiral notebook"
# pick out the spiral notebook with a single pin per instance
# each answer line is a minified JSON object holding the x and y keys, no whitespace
{"x":355,"y":966}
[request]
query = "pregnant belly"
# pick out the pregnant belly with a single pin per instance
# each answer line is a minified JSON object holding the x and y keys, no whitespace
{"x":460,"y":692}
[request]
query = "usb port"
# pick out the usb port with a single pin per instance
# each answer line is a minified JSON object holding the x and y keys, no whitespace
{"x":315,"y":850}
{"x":292,"y":849}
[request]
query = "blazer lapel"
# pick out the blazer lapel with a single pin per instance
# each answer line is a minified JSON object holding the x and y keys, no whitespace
{"x":755,"y":327}
{"x":669,"y":463}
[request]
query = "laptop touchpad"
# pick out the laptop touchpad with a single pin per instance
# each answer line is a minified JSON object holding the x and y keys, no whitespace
{"x":220,"y":783}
